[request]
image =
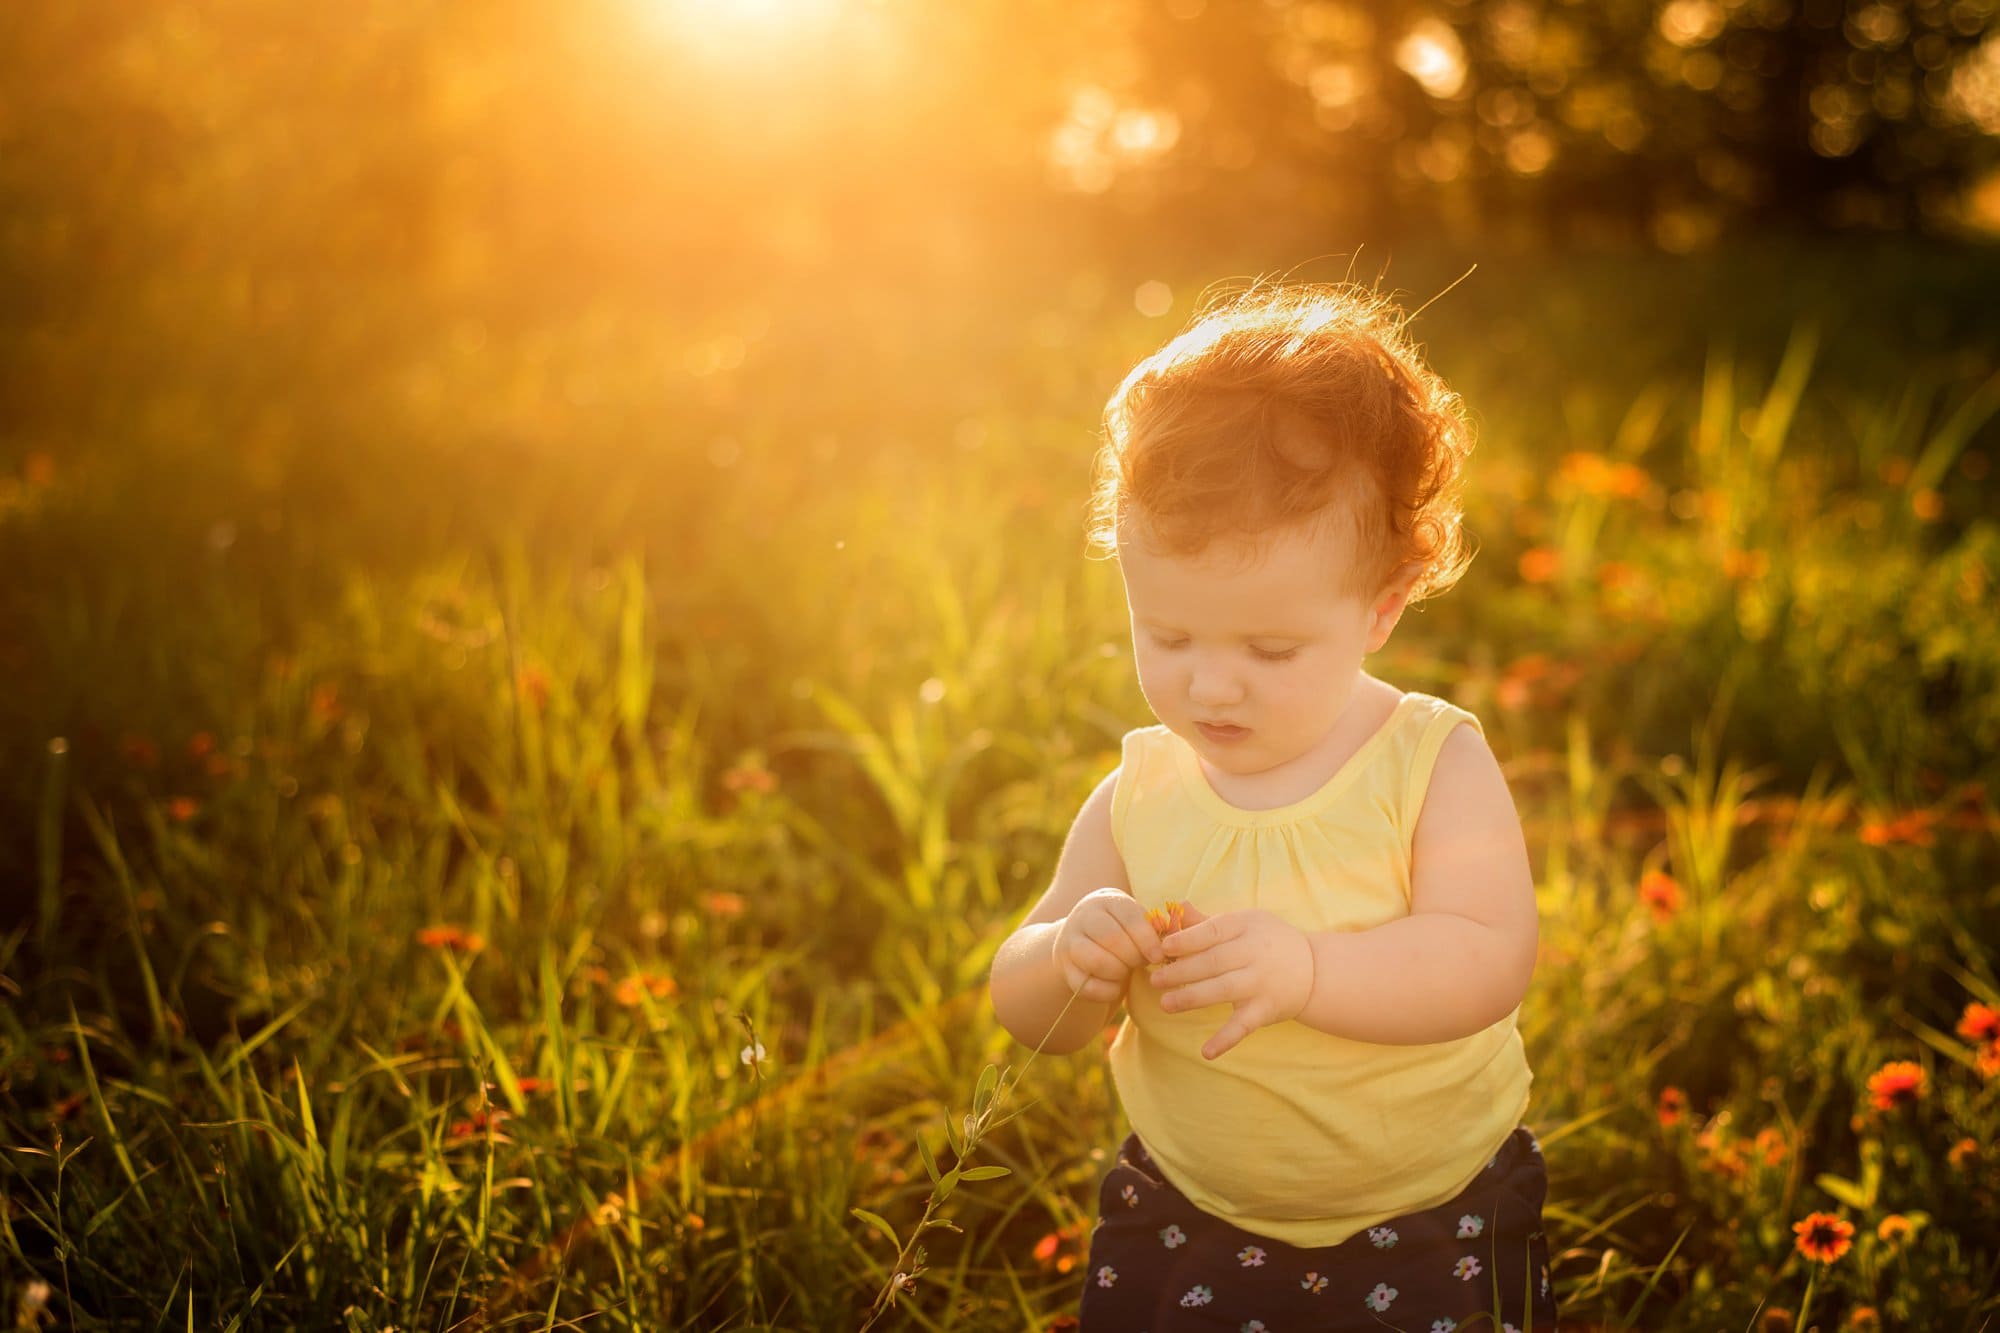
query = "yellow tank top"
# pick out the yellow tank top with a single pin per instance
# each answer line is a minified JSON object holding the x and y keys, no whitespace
{"x":1293,"y":1133}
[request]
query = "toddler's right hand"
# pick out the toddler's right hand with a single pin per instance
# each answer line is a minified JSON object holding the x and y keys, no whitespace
{"x":1103,"y":940}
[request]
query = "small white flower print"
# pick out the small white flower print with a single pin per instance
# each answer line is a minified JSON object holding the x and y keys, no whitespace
{"x":1197,"y":1295}
{"x":1545,"y":1282}
{"x":1172,"y":1235}
{"x":1534,"y":1144}
{"x":1106,"y":1275}
{"x":1383,"y":1237}
{"x":1131,"y":1196}
{"x":1313,"y":1283}
{"x":1250,"y":1256}
{"x":1444,"y":1325}
{"x":1509,"y":1328}
{"x":1470,"y":1225}
{"x":1466,"y":1268}
{"x":1254,"y":1326}
{"x":1378,"y":1299}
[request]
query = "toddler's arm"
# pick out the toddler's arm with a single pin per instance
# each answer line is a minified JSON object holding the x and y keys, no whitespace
{"x":1462,"y":959}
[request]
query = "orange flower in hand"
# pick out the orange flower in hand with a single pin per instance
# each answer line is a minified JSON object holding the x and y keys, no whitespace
{"x":1252,"y":960}
{"x":1823,"y":1237}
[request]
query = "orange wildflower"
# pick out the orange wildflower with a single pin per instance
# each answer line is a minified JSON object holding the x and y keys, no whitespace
{"x":183,"y":808}
{"x":1615,"y":574}
{"x":451,"y":937}
{"x":1895,"y":1229}
{"x":723,"y":904}
{"x":1539,"y":564}
{"x":1823,"y":1237}
{"x":1062,"y":1323}
{"x":1988,"y":1062}
{"x":1057,"y":1250}
{"x":1771,"y":1142}
{"x":1661,"y":892}
{"x":749,"y":774}
{"x":1672,"y":1106}
{"x":490,"y":1117}
{"x":1897,"y":1083}
{"x":1961,"y":1152}
{"x":1168,"y":919}
{"x":1864,"y":1319}
{"x":533,"y":683}
{"x":656,"y":984}
{"x":1912,"y":826}
{"x":1745,"y":564}
{"x":1979,"y":1023}
{"x":326,"y":707}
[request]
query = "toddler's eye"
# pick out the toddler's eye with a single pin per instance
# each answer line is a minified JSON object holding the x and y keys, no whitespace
{"x":1259,"y":653}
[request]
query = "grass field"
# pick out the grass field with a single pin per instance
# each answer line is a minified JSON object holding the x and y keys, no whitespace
{"x":512,"y":832}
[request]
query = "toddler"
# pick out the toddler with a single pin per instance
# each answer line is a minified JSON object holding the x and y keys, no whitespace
{"x":1308,"y":888}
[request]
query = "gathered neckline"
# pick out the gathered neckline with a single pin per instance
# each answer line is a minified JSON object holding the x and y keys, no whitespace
{"x":1189,"y":763}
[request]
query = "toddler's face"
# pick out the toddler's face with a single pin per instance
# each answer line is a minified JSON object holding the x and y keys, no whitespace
{"x":1269,"y":646}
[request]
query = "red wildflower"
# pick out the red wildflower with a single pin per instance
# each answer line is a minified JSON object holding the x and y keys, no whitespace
{"x":1672,"y":1107}
{"x":1057,"y":1250}
{"x":1979,"y":1023}
{"x":1898,"y":1083}
{"x":1823,"y":1237}
{"x":1662,"y":893}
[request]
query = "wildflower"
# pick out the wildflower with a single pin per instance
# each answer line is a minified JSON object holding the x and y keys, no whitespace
{"x":1615,"y":574}
{"x":752,"y":1054}
{"x":1771,"y":1142}
{"x":1062,"y":1323}
{"x":1738,"y":564}
{"x":1539,"y":564}
{"x":1898,"y":1083}
{"x":533,"y":683}
{"x":1050,"y":1252}
{"x":1673,"y":1106}
{"x":183,"y":808}
{"x":1961,"y":1152}
{"x":1912,"y":826}
{"x":1895,"y":1229}
{"x":201,"y":745}
{"x":1864,"y":1319}
{"x":139,"y":750}
{"x":1775,"y":1321}
{"x":1168,"y":919}
{"x":1662,"y":893}
{"x":749,"y":774}
{"x":722,"y":904}
{"x":656,"y":984}
{"x":1988,"y":1062}
{"x":532,"y":1085}
{"x":1823,"y":1237}
{"x":452,"y":938}
{"x":485,"y":1118}
{"x":1979,"y":1023}
{"x":326,"y":706}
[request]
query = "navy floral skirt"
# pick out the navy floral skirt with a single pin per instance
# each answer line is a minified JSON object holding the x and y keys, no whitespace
{"x":1159,"y":1264}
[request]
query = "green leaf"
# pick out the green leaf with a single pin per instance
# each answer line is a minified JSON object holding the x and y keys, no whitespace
{"x":930,"y":1163}
{"x":984,"y":1172}
{"x":1844,"y":1190}
{"x":881,"y":1224}
{"x":988,"y":1079}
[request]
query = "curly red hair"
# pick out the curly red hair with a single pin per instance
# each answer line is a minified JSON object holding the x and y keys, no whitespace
{"x":1282,"y":405}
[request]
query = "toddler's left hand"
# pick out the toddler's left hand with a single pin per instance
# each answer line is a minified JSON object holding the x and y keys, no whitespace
{"x":1252,"y":959}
